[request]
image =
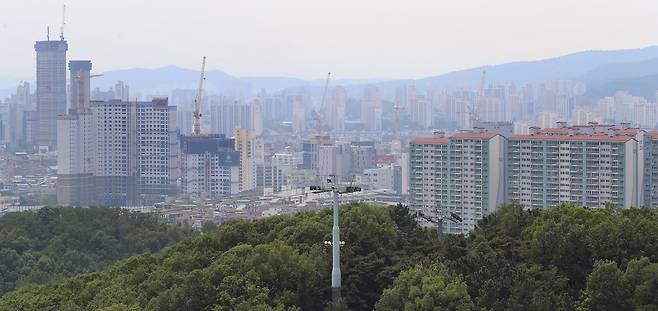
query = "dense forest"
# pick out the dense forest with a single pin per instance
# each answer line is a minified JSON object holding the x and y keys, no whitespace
{"x":62,"y":241}
{"x":566,"y":258}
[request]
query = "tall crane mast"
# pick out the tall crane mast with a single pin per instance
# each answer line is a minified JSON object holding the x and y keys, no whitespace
{"x":317,"y":117}
{"x":61,"y":28}
{"x":197,"y":100}
{"x":81,"y":88}
{"x":480,"y":101}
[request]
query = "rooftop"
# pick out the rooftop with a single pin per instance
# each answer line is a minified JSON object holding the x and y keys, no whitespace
{"x":475,"y":135}
{"x":579,"y":137}
{"x":430,"y":140}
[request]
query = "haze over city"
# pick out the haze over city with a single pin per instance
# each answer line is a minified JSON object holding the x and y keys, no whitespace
{"x":305,"y":39}
{"x":328,"y":155}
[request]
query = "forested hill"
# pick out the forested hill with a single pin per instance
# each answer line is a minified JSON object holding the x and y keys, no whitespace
{"x":63,"y":241}
{"x":567,"y":258}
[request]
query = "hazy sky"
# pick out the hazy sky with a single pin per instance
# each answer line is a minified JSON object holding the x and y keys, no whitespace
{"x":307,"y":38}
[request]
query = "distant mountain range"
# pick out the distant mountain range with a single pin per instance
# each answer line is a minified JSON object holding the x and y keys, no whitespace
{"x":635,"y":70}
{"x":163,"y":80}
{"x":640,"y":78}
{"x":575,"y":66}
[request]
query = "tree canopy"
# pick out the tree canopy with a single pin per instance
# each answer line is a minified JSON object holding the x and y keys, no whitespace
{"x":566,"y":258}
{"x":62,"y":241}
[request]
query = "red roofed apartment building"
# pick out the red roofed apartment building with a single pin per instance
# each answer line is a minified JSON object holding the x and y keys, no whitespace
{"x":463,"y":174}
{"x":472,"y":173}
{"x":585,"y":165}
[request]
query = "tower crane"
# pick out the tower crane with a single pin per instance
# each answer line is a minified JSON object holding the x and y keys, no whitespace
{"x":61,"y":27}
{"x":317,"y":116}
{"x":81,"y":88}
{"x":476,"y":113}
{"x":437,"y":217}
{"x":197,"y":100}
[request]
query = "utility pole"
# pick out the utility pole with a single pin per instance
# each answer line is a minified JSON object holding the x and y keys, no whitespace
{"x":335,"y":250}
{"x":435,"y":218}
{"x":335,"y":243}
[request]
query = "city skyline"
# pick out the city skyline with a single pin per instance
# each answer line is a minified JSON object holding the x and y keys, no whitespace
{"x":410,"y":40}
{"x":328,"y":155}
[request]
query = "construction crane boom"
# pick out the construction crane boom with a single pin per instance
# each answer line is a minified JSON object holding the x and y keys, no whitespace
{"x":476,"y":115}
{"x":197,"y":100}
{"x":326,"y":88}
{"x":61,"y":28}
{"x":317,"y":116}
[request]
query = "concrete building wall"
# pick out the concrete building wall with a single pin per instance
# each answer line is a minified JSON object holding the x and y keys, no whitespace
{"x":210,"y":166}
{"x":128,"y":149}
{"x":497,"y":173}
{"x":586,"y":165}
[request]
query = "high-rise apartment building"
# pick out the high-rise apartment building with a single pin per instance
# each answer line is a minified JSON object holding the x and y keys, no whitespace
{"x":51,"y":90}
{"x":282,"y":164}
{"x":135,"y":151}
{"x":16,"y":126}
{"x":158,"y":150}
{"x":421,"y":112}
{"x":310,"y":149}
{"x":335,"y":159}
{"x":462,"y":174}
{"x":226,"y":117}
{"x":371,"y":109}
{"x":405,"y":95}
{"x":298,"y":114}
{"x":210,"y":166}
{"x":76,"y":158}
{"x":649,"y":145}
{"x":185,"y":121}
{"x":362,"y":155}
{"x":587,"y":165}
{"x":334,"y":109}
{"x":251,"y":155}
{"x":76,"y":141}
{"x":120,"y":91}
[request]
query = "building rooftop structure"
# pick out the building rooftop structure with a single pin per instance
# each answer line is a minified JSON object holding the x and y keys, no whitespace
{"x":590,"y":132}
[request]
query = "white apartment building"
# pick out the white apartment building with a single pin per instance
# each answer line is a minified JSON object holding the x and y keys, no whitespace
{"x":252,"y":154}
{"x":586,"y":165}
{"x":382,"y":177}
{"x":362,"y":155}
{"x":371,"y":109}
{"x":210,"y":166}
{"x":335,"y":159}
{"x":421,"y":112}
{"x":333,"y":112}
{"x":157,"y":151}
{"x":462,"y":174}
{"x":226,"y":117}
{"x":75,"y":158}
{"x":591,"y":165}
{"x":137,"y":149}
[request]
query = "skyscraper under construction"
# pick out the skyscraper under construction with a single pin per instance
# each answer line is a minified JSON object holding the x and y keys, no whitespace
{"x":51,"y":90}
